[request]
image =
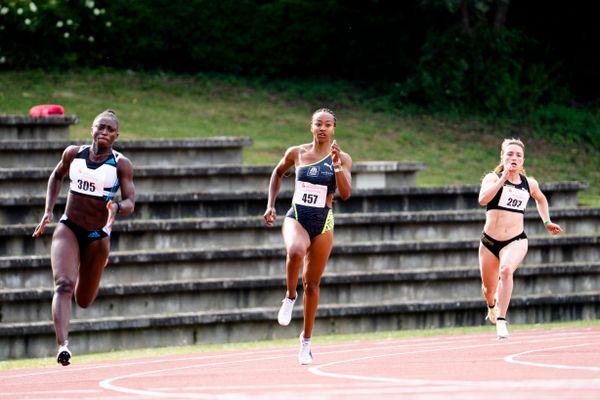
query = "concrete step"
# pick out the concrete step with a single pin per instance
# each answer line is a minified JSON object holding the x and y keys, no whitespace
{"x":436,"y":284}
{"x":26,"y":154}
{"x":36,"y":339}
{"x":29,"y":209}
{"x":19,"y":182}
{"x":197,"y":233}
{"x":25,"y":127}
{"x":185,"y":264}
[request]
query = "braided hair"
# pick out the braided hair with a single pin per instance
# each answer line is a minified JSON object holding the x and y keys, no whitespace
{"x":325,"y":110}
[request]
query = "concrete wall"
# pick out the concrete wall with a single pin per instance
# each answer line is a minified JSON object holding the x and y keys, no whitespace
{"x":195,"y":263}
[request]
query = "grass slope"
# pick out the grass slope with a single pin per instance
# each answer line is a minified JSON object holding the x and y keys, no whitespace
{"x":276,"y":116}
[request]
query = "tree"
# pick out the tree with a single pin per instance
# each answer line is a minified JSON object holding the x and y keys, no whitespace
{"x":475,"y":63}
{"x":474,"y":14}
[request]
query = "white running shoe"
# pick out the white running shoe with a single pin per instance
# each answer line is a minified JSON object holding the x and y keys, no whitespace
{"x":501,"y":329}
{"x":64,"y":354}
{"x":304,"y":355}
{"x":285,"y":312}
{"x":492,"y":314}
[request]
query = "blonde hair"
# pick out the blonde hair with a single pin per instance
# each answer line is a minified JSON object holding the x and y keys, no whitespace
{"x":505,"y":144}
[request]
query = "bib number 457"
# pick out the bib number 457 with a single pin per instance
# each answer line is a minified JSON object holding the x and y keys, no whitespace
{"x":309,"y":198}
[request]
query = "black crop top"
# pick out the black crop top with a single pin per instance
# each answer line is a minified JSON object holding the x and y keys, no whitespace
{"x":511,"y":197}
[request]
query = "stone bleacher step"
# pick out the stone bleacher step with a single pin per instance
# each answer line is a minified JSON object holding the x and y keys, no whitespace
{"x":27,"y":154}
{"x":28,"y":209}
{"x":39,"y":128}
{"x":35,"y":339}
{"x":198,"y":233}
{"x":214,"y":178}
{"x":436,"y":284}
{"x":180,"y":264}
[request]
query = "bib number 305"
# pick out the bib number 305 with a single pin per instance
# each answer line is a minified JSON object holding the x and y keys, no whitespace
{"x":86,"y":186}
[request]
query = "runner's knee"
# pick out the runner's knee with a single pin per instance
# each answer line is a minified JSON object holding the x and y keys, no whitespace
{"x":506,"y":272}
{"x":64,"y":285}
{"x":484,"y":289}
{"x":310,"y":288}
{"x":296,"y":253}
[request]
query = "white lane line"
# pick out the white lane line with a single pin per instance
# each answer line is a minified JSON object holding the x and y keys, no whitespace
{"x":318,"y":370}
{"x":51,"y":392}
{"x":285,"y":352}
{"x":120,"y":364}
{"x":412,"y":342}
{"x":109,"y":384}
{"x":511,"y":358}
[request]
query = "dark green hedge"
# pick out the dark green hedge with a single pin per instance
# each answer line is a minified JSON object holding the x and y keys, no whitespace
{"x":406,"y":51}
{"x":282,"y":38}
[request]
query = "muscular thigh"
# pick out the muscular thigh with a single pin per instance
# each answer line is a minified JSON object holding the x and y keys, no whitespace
{"x":514,"y":253}
{"x":295,"y":236}
{"x":93,"y":260}
{"x":64,"y":253}
{"x":489,"y":265}
{"x":318,"y":255}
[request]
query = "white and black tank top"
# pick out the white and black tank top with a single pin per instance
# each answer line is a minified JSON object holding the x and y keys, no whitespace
{"x":98,"y":180}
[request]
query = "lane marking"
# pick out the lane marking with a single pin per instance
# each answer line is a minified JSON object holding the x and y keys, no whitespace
{"x":433,"y":344}
{"x":511,"y":358}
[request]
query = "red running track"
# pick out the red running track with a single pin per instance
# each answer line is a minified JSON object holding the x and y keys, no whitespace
{"x":562,"y":363}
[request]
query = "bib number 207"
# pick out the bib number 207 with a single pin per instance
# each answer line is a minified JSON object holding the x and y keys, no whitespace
{"x":515,"y":203}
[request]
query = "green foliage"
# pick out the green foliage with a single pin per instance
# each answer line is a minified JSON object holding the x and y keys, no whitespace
{"x":565,"y":124}
{"x":479,"y":8}
{"x":385,"y":55}
{"x":278,"y":38}
{"x":488,"y":72}
{"x":53,"y":33}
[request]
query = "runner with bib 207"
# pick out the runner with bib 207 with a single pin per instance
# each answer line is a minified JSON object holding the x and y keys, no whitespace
{"x":503,"y":246}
